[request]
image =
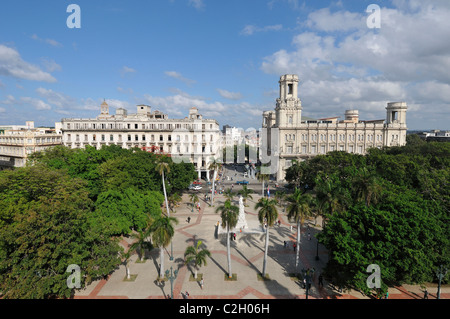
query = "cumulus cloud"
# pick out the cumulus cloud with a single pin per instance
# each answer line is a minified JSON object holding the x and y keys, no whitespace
{"x":36,"y":103}
{"x":230,"y":95}
{"x":176,"y":75}
{"x":342,"y":63}
{"x":251,"y":29}
{"x":12,"y":64}
{"x":52,"y":42}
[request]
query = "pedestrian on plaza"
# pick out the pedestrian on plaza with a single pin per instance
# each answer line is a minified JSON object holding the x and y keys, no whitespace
{"x":425,"y":294}
{"x":234,"y":235}
{"x":186,"y":295}
{"x":387,"y":295}
{"x":295,"y":246}
{"x":320,"y":280}
{"x":201,"y":283}
{"x":284,"y":244}
{"x":279,"y":222}
{"x":309,"y":236}
{"x":189,"y":219}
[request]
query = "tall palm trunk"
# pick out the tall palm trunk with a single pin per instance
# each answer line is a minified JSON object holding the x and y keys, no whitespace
{"x":213,"y":187}
{"x":262,"y":192}
{"x":297,"y":252}
{"x":165,"y":194}
{"x":161,"y":268}
{"x":265,"y":251}
{"x":228,"y":252}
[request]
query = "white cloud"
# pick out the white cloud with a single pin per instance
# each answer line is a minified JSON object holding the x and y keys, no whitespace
{"x":230,"y":95}
{"x":197,"y":4}
{"x":125,"y":70}
{"x":51,"y":65}
{"x":11,"y":64}
{"x":251,"y":29}
{"x":342,"y":63}
{"x":36,"y":103}
{"x":52,"y":42}
{"x":178,"y":76}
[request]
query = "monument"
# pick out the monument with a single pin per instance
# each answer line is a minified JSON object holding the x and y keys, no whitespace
{"x":242,"y":222}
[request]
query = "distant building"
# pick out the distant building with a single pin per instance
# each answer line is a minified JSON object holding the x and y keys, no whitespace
{"x":193,"y":138}
{"x":19,"y":141}
{"x":293,"y":137}
{"x":435,"y":136}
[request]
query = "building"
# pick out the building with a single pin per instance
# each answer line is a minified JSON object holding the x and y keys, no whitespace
{"x":435,"y":136}
{"x":289,"y":136}
{"x":19,"y":141}
{"x":192,"y":139}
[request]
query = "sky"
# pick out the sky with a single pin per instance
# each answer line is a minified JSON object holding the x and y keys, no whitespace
{"x":224,"y":57}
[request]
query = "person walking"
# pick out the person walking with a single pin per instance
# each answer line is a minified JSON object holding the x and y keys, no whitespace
{"x":425,"y":294}
{"x":201,"y":284}
{"x":295,"y":246}
{"x":320,"y":280}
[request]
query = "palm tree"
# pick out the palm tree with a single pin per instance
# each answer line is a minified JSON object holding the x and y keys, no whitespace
{"x":366,"y":187}
{"x":141,"y":243}
{"x":262,"y":177}
{"x":214,"y":165}
{"x":245,"y":193}
{"x":268,"y":214}
{"x":162,"y":167}
{"x":298,"y":209}
{"x":229,"y":214}
{"x":329,"y":195}
{"x":279,"y":196}
{"x":194,"y":254}
{"x":126,"y":260}
{"x":162,"y":232}
{"x":194,"y":199}
{"x":229,"y":194}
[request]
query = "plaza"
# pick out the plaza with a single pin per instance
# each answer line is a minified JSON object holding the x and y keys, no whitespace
{"x":247,"y":254}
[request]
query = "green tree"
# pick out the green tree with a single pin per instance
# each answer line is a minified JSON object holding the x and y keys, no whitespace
{"x":48,"y":229}
{"x":197,"y":255}
{"x":366,"y":187}
{"x":194,"y":200}
{"x":298,"y":209}
{"x":229,"y":215}
{"x":267,"y":215}
{"x":245,"y":193}
{"x":162,"y":231}
{"x":141,"y":243}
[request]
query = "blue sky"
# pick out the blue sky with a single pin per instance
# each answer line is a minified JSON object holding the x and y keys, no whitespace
{"x":224,"y":57}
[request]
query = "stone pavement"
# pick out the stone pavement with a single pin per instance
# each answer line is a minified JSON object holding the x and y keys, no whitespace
{"x":247,"y":254}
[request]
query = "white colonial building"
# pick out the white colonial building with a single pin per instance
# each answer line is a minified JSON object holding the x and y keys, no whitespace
{"x":193,"y":138}
{"x":287,"y":136}
{"x":17,"y":142}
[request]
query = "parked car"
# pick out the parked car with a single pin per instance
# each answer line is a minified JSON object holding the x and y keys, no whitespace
{"x":197,"y":187}
{"x":241,"y":182}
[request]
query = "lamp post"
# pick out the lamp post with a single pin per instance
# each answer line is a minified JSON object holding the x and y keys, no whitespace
{"x":307,"y":281}
{"x":172,"y":276}
{"x":317,"y":249}
{"x":440,"y":273}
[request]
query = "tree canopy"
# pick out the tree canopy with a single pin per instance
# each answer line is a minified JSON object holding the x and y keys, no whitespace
{"x":389,"y":207}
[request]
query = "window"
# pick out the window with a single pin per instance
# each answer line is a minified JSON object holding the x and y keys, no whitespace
{"x":289,"y":149}
{"x":290,"y":89}
{"x":103,"y":137}
{"x":170,"y":138}
{"x":129,"y":137}
{"x":161,"y":138}
{"x":111,"y":138}
{"x":136,"y":137}
{"x":136,"y":126}
{"x":304,"y":149}
{"x":143,"y":137}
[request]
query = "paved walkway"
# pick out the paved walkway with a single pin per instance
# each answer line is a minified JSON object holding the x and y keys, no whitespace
{"x":247,"y":254}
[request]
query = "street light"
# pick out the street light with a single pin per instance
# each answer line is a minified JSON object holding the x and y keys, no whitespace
{"x":440,"y":273}
{"x":171,"y":277}
{"x":317,"y":249}
{"x":307,"y":281}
